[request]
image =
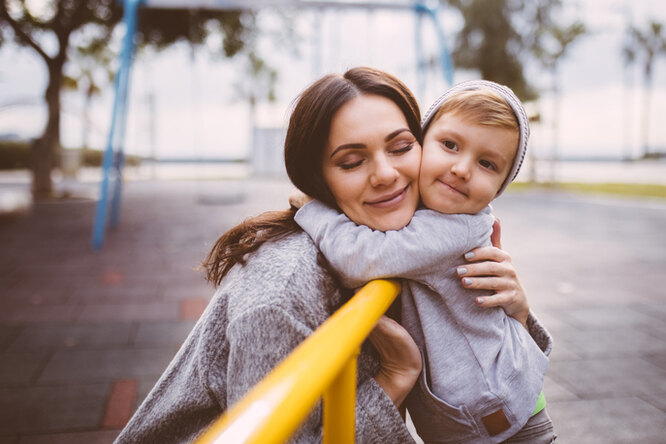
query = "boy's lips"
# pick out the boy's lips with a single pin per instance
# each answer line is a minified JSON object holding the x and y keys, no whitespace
{"x":452,"y":188}
{"x":389,"y":199}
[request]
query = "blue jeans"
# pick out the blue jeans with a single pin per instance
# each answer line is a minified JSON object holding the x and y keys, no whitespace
{"x":538,"y":430}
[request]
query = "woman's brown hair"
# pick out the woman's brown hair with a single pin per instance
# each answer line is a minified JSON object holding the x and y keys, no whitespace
{"x":306,"y":139}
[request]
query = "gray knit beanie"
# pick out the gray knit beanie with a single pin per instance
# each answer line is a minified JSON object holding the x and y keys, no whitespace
{"x":512,"y":100}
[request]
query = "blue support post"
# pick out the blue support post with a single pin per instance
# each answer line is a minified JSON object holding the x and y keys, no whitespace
{"x":444,"y":55}
{"x":111,"y":171}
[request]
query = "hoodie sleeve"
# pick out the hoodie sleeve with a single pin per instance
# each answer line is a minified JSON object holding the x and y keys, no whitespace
{"x":430,"y":243}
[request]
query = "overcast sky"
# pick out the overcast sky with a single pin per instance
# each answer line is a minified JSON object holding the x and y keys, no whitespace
{"x":198,"y":114}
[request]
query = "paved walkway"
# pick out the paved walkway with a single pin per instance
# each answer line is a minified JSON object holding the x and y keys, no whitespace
{"x":84,"y":335}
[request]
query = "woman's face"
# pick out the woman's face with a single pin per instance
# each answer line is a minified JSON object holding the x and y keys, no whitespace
{"x":371,"y":163}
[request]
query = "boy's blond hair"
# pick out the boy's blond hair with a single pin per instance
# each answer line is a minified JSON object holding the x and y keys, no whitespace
{"x":480,"y":107}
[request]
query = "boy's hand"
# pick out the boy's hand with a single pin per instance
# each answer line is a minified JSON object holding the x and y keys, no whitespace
{"x":297,"y":198}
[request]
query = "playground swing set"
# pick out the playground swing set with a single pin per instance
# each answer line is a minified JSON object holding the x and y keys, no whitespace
{"x":107,"y":213}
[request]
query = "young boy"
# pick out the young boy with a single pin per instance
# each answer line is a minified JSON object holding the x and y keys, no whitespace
{"x":483,"y":373}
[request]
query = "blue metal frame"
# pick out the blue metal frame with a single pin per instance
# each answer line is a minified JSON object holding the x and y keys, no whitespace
{"x":112,"y":162}
{"x":444,"y":55}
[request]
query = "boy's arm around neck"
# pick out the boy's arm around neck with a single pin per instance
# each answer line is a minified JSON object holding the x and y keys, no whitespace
{"x":429,"y":243}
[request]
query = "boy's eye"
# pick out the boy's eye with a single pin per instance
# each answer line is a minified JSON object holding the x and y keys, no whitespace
{"x":450,"y":144}
{"x":487,"y":164}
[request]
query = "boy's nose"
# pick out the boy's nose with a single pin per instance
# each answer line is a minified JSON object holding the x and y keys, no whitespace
{"x":461,"y":169}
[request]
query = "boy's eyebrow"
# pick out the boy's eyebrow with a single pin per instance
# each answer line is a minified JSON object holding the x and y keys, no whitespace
{"x":450,"y":132}
{"x":388,"y":138}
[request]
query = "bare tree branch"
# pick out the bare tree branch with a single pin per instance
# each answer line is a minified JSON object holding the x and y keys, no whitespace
{"x":22,"y":36}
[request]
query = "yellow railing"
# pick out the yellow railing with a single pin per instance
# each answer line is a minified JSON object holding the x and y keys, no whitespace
{"x":324,"y":365}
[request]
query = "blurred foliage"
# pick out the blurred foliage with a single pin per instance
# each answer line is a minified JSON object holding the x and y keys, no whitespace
{"x":16,"y":155}
{"x":162,"y":27}
{"x":499,"y":36}
{"x":258,"y":80}
{"x":93,"y":158}
{"x":90,"y":71}
{"x":647,"y":44}
{"x":52,"y":28}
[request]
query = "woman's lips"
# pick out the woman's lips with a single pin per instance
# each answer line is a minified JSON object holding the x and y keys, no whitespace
{"x":389,"y":199}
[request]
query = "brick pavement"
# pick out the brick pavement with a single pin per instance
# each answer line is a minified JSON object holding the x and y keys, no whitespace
{"x":84,"y":335}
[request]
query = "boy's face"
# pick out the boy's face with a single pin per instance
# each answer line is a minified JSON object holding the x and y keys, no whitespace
{"x":464,"y":164}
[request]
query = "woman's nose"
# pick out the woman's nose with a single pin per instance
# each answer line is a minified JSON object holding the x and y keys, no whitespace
{"x":384,"y":173}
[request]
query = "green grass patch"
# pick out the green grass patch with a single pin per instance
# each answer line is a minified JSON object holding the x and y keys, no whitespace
{"x":618,"y":189}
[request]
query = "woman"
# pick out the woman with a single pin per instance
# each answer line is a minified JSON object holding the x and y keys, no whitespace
{"x":275,"y":288}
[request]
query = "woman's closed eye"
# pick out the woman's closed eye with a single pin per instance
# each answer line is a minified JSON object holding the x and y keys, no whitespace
{"x":403,"y":148}
{"x":350,"y":163}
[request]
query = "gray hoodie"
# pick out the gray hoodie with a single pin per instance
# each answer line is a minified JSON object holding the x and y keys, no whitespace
{"x":482,"y":371}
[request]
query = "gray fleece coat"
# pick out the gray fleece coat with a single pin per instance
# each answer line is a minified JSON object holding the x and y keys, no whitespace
{"x":259,"y":314}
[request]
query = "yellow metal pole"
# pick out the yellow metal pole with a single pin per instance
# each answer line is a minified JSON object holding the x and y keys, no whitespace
{"x":340,"y":406}
{"x":274,"y":408}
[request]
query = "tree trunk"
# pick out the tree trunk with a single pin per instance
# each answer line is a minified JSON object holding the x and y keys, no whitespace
{"x":555,"y":136}
{"x":645,"y":124}
{"x":85,"y":119}
{"x":45,"y":150}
